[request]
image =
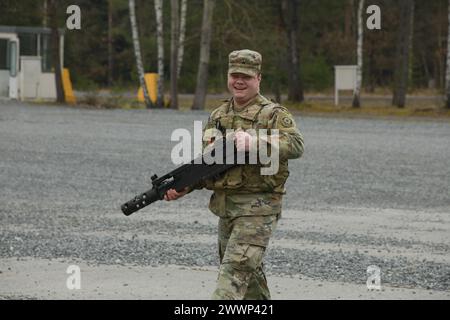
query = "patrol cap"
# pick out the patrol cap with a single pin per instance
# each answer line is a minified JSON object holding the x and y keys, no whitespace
{"x":245,"y":61}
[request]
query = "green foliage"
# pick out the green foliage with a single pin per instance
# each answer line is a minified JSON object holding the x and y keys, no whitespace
{"x":21,"y":13}
{"x":317,"y":73}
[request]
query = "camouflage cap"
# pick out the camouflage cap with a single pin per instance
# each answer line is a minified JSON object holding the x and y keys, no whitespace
{"x":245,"y":61}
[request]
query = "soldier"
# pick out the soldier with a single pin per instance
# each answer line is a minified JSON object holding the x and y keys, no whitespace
{"x":248,"y":203}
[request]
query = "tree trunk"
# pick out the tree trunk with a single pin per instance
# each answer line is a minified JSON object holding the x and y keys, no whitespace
{"x":359,"y":53}
{"x":182,"y":35}
{"x":137,"y":53}
{"x":160,"y":41}
{"x":175,"y":29}
{"x":289,"y":12}
{"x":348,"y":23}
{"x":370,"y":69}
{"x":202,"y":75}
{"x":55,"y":39}
{"x":110,"y":44}
{"x":279,"y":61}
{"x":402,"y":54}
{"x":447,"y":74}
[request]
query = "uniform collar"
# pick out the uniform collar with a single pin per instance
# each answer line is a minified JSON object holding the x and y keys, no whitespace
{"x":258,"y":100}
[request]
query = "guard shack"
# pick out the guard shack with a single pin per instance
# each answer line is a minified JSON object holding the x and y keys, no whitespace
{"x":25,"y":63}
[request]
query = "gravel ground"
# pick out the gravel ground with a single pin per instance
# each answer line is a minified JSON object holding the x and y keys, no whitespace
{"x":366,"y":192}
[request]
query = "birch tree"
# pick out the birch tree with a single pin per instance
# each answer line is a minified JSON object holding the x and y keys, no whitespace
{"x":447,"y":73}
{"x":359,"y":53}
{"x":182,"y":35}
{"x":205,"y":44}
{"x":160,"y":43}
{"x":137,"y":53}
{"x":289,"y":14}
{"x":402,"y":60}
{"x":175,"y":29}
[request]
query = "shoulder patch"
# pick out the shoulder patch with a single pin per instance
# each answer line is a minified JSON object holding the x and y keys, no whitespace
{"x":286,"y":121}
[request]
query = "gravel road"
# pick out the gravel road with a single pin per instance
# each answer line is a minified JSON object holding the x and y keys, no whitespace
{"x":366,"y":192}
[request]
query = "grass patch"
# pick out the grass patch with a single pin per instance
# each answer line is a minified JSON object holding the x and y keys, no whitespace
{"x":422,"y":105}
{"x":99,"y":101}
{"x":368,"y":110}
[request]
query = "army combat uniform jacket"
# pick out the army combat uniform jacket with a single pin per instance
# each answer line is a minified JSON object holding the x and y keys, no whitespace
{"x":243,"y":190}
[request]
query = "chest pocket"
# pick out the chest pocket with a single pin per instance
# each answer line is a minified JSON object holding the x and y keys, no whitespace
{"x":244,"y":120}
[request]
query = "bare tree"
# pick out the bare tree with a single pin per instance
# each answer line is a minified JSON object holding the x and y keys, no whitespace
{"x":447,"y":74}
{"x":205,"y":44}
{"x":182,"y":35}
{"x":52,"y":7}
{"x":160,"y":41}
{"x":137,"y":53}
{"x":290,"y":14}
{"x":402,"y":60}
{"x":359,"y":53}
{"x":175,"y":29}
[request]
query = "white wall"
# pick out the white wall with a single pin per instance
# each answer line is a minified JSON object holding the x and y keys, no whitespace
{"x":4,"y":83}
{"x":34,"y":83}
{"x":47,"y":88}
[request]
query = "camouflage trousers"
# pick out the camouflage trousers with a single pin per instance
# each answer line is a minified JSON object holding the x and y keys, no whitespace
{"x":242,"y":244}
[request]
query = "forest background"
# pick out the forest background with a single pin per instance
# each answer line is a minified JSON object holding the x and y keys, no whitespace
{"x":101,"y":55}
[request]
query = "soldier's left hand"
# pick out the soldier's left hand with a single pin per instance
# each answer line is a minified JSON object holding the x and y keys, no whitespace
{"x":172,"y":194}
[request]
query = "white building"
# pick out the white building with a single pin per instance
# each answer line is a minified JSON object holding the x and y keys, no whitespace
{"x":25,"y":63}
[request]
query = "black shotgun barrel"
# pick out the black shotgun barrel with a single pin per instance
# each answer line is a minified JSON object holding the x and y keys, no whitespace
{"x":140,"y":201}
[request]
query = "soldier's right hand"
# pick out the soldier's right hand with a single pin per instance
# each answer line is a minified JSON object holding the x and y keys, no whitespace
{"x":172,"y":194}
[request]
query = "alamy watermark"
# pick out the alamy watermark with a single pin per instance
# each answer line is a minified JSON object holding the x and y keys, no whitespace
{"x":74,"y":20}
{"x":263,"y":148}
{"x":373,"y":278}
{"x":374,"y":21}
{"x":74,"y":280}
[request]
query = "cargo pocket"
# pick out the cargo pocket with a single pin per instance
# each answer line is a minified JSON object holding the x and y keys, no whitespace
{"x":217,"y":203}
{"x":275,"y":181}
{"x":244,"y":257}
{"x":233,"y":178}
{"x":253,"y":257}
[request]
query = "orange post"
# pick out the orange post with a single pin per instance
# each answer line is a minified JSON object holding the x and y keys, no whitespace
{"x":151,"y":79}
{"x":67,"y":85}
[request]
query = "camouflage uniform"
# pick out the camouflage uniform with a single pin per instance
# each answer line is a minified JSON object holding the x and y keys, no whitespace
{"x":248,"y":203}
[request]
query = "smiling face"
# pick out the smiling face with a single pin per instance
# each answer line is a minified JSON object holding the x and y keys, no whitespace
{"x":243,"y":87}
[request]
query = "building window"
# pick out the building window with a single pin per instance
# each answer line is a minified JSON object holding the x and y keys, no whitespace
{"x":46,"y":52}
{"x":13,"y":60}
{"x":28,"y":44}
{"x":4,"y":65}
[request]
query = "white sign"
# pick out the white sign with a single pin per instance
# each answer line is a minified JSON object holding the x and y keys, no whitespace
{"x":344,"y":79}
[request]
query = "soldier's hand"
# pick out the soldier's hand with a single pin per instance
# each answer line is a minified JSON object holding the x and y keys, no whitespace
{"x":172,"y":194}
{"x":243,"y":141}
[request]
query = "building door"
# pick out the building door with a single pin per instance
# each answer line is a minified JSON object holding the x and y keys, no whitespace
{"x":13,"y":69}
{"x":9,"y":59}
